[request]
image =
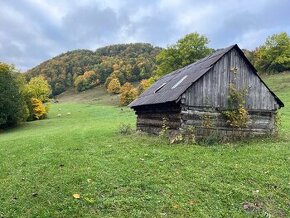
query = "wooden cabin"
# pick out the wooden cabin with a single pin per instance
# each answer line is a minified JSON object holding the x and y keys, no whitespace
{"x":199,"y":95}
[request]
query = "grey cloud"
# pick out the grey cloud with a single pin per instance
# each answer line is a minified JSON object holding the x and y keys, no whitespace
{"x":89,"y":25}
{"x":29,"y":35}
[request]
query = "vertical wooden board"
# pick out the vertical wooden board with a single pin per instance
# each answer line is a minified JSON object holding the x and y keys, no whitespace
{"x":190,"y":93}
{"x":199,"y":91}
{"x":251,"y":91}
{"x":209,"y":88}
{"x":254,"y":93}
{"x":202,"y":91}
{"x":215,"y":88}
{"x":265,"y":101}
{"x":212,"y":88}
{"x":227,"y":66}
{"x":218,"y":94}
{"x":258,"y":93}
{"x":222,"y":72}
{"x":196,"y":95}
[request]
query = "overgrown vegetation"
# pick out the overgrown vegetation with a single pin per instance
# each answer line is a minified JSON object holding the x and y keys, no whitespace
{"x":237,"y":115}
{"x":125,"y":129}
{"x":185,"y":135}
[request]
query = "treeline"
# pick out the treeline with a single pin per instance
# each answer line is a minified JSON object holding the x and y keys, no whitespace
{"x":84,"y":69}
{"x":273,"y":56}
{"x":21,"y":101}
{"x":117,"y":66}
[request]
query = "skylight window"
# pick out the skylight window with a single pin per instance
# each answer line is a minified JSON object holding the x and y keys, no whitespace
{"x":180,"y":81}
{"x":160,"y":87}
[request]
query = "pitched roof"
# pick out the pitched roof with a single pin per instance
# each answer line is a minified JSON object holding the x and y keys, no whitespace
{"x":162,"y":90}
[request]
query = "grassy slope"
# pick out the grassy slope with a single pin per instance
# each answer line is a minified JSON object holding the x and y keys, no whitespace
{"x":96,"y":95}
{"x":44,"y":163}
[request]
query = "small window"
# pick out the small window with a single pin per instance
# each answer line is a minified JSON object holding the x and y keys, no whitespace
{"x":180,"y":81}
{"x":160,"y":87}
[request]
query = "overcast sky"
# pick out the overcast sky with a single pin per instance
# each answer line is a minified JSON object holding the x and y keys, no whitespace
{"x":32,"y":31}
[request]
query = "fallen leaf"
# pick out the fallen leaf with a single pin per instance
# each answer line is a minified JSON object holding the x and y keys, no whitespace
{"x":77,"y":196}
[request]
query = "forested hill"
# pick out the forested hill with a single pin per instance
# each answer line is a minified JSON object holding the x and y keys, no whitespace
{"x":127,"y":62}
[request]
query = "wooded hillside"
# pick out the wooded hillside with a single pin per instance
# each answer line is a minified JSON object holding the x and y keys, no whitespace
{"x":127,"y":62}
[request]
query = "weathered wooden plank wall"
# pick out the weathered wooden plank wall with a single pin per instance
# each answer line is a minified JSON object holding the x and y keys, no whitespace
{"x":213,"y":88}
{"x":151,"y":118}
{"x":208,"y":121}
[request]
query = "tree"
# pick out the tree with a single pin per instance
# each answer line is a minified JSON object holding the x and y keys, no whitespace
{"x":274,"y":55}
{"x":88,"y":80}
{"x":186,"y":51}
{"x":143,"y":85}
{"x":35,"y":93}
{"x":130,"y":62}
{"x":128,"y":94}
{"x":114,"y":86}
{"x":39,"y":110}
{"x":12,"y":106}
{"x":38,"y":88}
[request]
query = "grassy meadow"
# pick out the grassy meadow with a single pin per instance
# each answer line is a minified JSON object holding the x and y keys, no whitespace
{"x":44,"y":163}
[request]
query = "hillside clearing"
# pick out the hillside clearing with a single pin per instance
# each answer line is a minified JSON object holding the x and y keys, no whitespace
{"x":44,"y":163}
{"x":96,"y":95}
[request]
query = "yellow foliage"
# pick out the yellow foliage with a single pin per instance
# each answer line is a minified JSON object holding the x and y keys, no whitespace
{"x":126,"y":87}
{"x":114,"y":86}
{"x":39,"y":110}
{"x":128,"y":94}
{"x":237,"y":118}
{"x":143,"y":85}
{"x":39,"y":88}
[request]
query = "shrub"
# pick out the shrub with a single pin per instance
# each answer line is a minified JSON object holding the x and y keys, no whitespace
{"x":128,"y":94}
{"x":237,"y":116}
{"x":114,"y":86}
{"x":125,"y":129}
{"x":88,"y":80}
{"x":39,"y":110}
{"x":143,"y":85}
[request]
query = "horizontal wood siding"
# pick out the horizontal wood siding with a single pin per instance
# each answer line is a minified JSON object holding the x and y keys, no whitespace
{"x":151,"y":118}
{"x":208,"y":121}
{"x":212,"y":89}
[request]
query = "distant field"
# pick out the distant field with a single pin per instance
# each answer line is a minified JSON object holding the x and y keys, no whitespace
{"x":44,"y":163}
{"x":97,"y":95}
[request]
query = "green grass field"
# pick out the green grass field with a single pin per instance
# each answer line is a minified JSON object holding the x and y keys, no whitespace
{"x":44,"y":163}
